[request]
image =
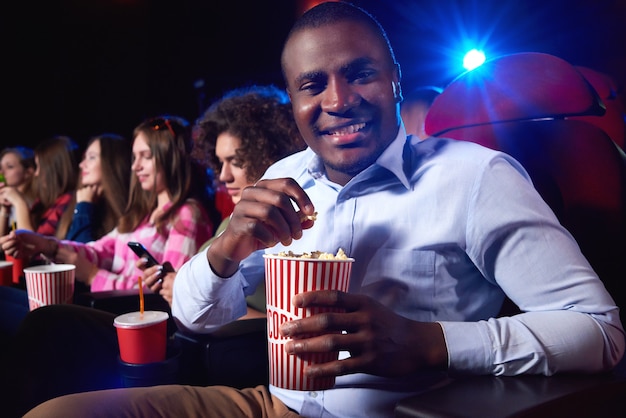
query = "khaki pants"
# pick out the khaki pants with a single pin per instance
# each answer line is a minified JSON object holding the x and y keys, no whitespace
{"x":166,"y":401}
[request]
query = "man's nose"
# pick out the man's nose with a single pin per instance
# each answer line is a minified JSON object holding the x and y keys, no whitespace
{"x":339,"y":97}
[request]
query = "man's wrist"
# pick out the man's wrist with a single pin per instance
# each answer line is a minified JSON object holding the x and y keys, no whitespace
{"x":220,"y":266}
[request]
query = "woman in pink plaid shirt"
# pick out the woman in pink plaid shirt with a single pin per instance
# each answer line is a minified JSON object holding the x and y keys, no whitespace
{"x":167,"y":212}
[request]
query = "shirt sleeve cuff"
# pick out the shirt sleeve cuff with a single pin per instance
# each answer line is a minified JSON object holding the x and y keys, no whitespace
{"x":467,"y":355}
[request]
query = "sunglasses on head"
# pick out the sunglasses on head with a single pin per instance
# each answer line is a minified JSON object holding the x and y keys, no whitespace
{"x":158,"y":124}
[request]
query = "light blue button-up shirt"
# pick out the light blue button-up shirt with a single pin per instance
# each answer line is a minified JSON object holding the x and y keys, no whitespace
{"x":440,"y":230}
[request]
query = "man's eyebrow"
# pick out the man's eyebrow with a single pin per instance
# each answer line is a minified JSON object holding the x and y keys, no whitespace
{"x":318,"y":74}
{"x":360,"y":64}
{"x":311,"y":75}
{"x":357,"y":63}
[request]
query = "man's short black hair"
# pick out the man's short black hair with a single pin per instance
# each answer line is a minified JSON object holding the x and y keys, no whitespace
{"x":333,"y":12}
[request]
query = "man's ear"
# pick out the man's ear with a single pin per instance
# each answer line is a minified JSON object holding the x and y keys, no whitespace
{"x":397,"y":91}
{"x":395,"y":85}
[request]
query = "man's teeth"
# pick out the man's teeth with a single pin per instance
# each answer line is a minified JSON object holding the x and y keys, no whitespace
{"x":348,"y":129}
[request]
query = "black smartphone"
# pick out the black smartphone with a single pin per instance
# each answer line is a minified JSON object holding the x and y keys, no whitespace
{"x":141,"y":251}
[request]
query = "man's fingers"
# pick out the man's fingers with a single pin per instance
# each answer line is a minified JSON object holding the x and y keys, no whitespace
{"x":330,"y":343}
{"x":288,"y":193}
{"x":329,"y":298}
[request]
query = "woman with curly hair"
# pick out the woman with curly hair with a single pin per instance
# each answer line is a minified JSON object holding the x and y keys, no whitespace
{"x":243,"y":133}
{"x":239,"y":136}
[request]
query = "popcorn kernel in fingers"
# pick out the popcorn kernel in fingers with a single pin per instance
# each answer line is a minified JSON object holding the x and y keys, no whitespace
{"x":304,"y":217}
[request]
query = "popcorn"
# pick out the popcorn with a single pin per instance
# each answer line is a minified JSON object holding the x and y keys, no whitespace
{"x":341,"y":255}
{"x":304,"y":217}
{"x":317,"y":255}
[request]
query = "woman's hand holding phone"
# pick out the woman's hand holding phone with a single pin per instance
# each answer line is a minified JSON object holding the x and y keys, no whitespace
{"x":157,"y":277}
{"x":142,"y":252}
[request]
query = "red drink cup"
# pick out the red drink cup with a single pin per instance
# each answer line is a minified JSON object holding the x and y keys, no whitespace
{"x":6,"y":273}
{"x":18,"y":267}
{"x":286,"y":277}
{"x":49,"y":284}
{"x":142,"y":338}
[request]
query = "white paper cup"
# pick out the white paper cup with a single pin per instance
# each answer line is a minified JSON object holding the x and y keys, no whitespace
{"x":286,"y":277}
{"x":49,"y":284}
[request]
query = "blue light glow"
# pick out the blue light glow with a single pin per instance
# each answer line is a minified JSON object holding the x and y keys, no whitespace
{"x":473,"y":58}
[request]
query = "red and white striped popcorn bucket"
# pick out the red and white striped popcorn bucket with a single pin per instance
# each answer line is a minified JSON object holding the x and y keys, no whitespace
{"x":286,"y":277}
{"x":49,"y":284}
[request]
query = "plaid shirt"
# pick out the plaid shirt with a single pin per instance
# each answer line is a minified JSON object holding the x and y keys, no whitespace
{"x":50,"y":218}
{"x":116,"y":261}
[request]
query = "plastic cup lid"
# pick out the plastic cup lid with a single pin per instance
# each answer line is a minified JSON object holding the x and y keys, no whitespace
{"x":136,"y":320}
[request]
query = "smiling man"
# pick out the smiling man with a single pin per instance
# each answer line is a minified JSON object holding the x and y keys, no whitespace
{"x":344,"y":103}
{"x":441,"y":232}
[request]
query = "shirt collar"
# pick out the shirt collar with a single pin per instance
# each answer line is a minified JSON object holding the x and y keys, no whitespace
{"x":391,"y":159}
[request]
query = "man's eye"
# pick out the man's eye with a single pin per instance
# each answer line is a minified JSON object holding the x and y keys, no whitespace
{"x":363,"y":75}
{"x":312,"y":88}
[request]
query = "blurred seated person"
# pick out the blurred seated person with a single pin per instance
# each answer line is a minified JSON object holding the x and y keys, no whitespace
{"x":17,"y":165}
{"x":56,"y":174}
{"x":102,"y":192}
{"x":414,"y":107}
